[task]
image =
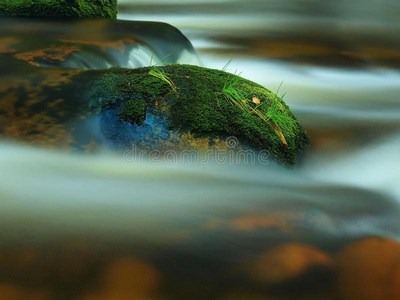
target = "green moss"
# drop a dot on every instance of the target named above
(133, 111)
(200, 106)
(116, 85)
(59, 8)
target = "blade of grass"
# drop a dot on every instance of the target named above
(227, 65)
(159, 73)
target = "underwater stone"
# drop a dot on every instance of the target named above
(59, 8)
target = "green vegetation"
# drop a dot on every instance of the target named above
(276, 115)
(206, 102)
(134, 111)
(59, 8)
(116, 85)
(160, 73)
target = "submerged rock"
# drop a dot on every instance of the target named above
(59, 8)
(289, 261)
(369, 269)
(162, 106)
(128, 278)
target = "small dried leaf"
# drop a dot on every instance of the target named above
(256, 100)
(187, 77)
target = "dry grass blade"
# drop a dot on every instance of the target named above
(275, 127)
(157, 72)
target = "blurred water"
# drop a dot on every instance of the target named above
(202, 228)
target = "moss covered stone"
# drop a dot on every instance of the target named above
(204, 102)
(59, 8)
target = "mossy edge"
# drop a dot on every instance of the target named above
(59, 8)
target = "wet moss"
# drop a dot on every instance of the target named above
(59, 8)
(200, 107)
(133, 111)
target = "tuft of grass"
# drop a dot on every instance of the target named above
(233, 94)
(156, 71)
(159, 73)
(275, 116)
(227, 65)
(277, 113)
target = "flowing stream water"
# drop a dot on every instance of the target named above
(84, 224)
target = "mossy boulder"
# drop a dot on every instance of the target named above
(59, 8)
(202, 102)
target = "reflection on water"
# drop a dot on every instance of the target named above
(95, 226)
